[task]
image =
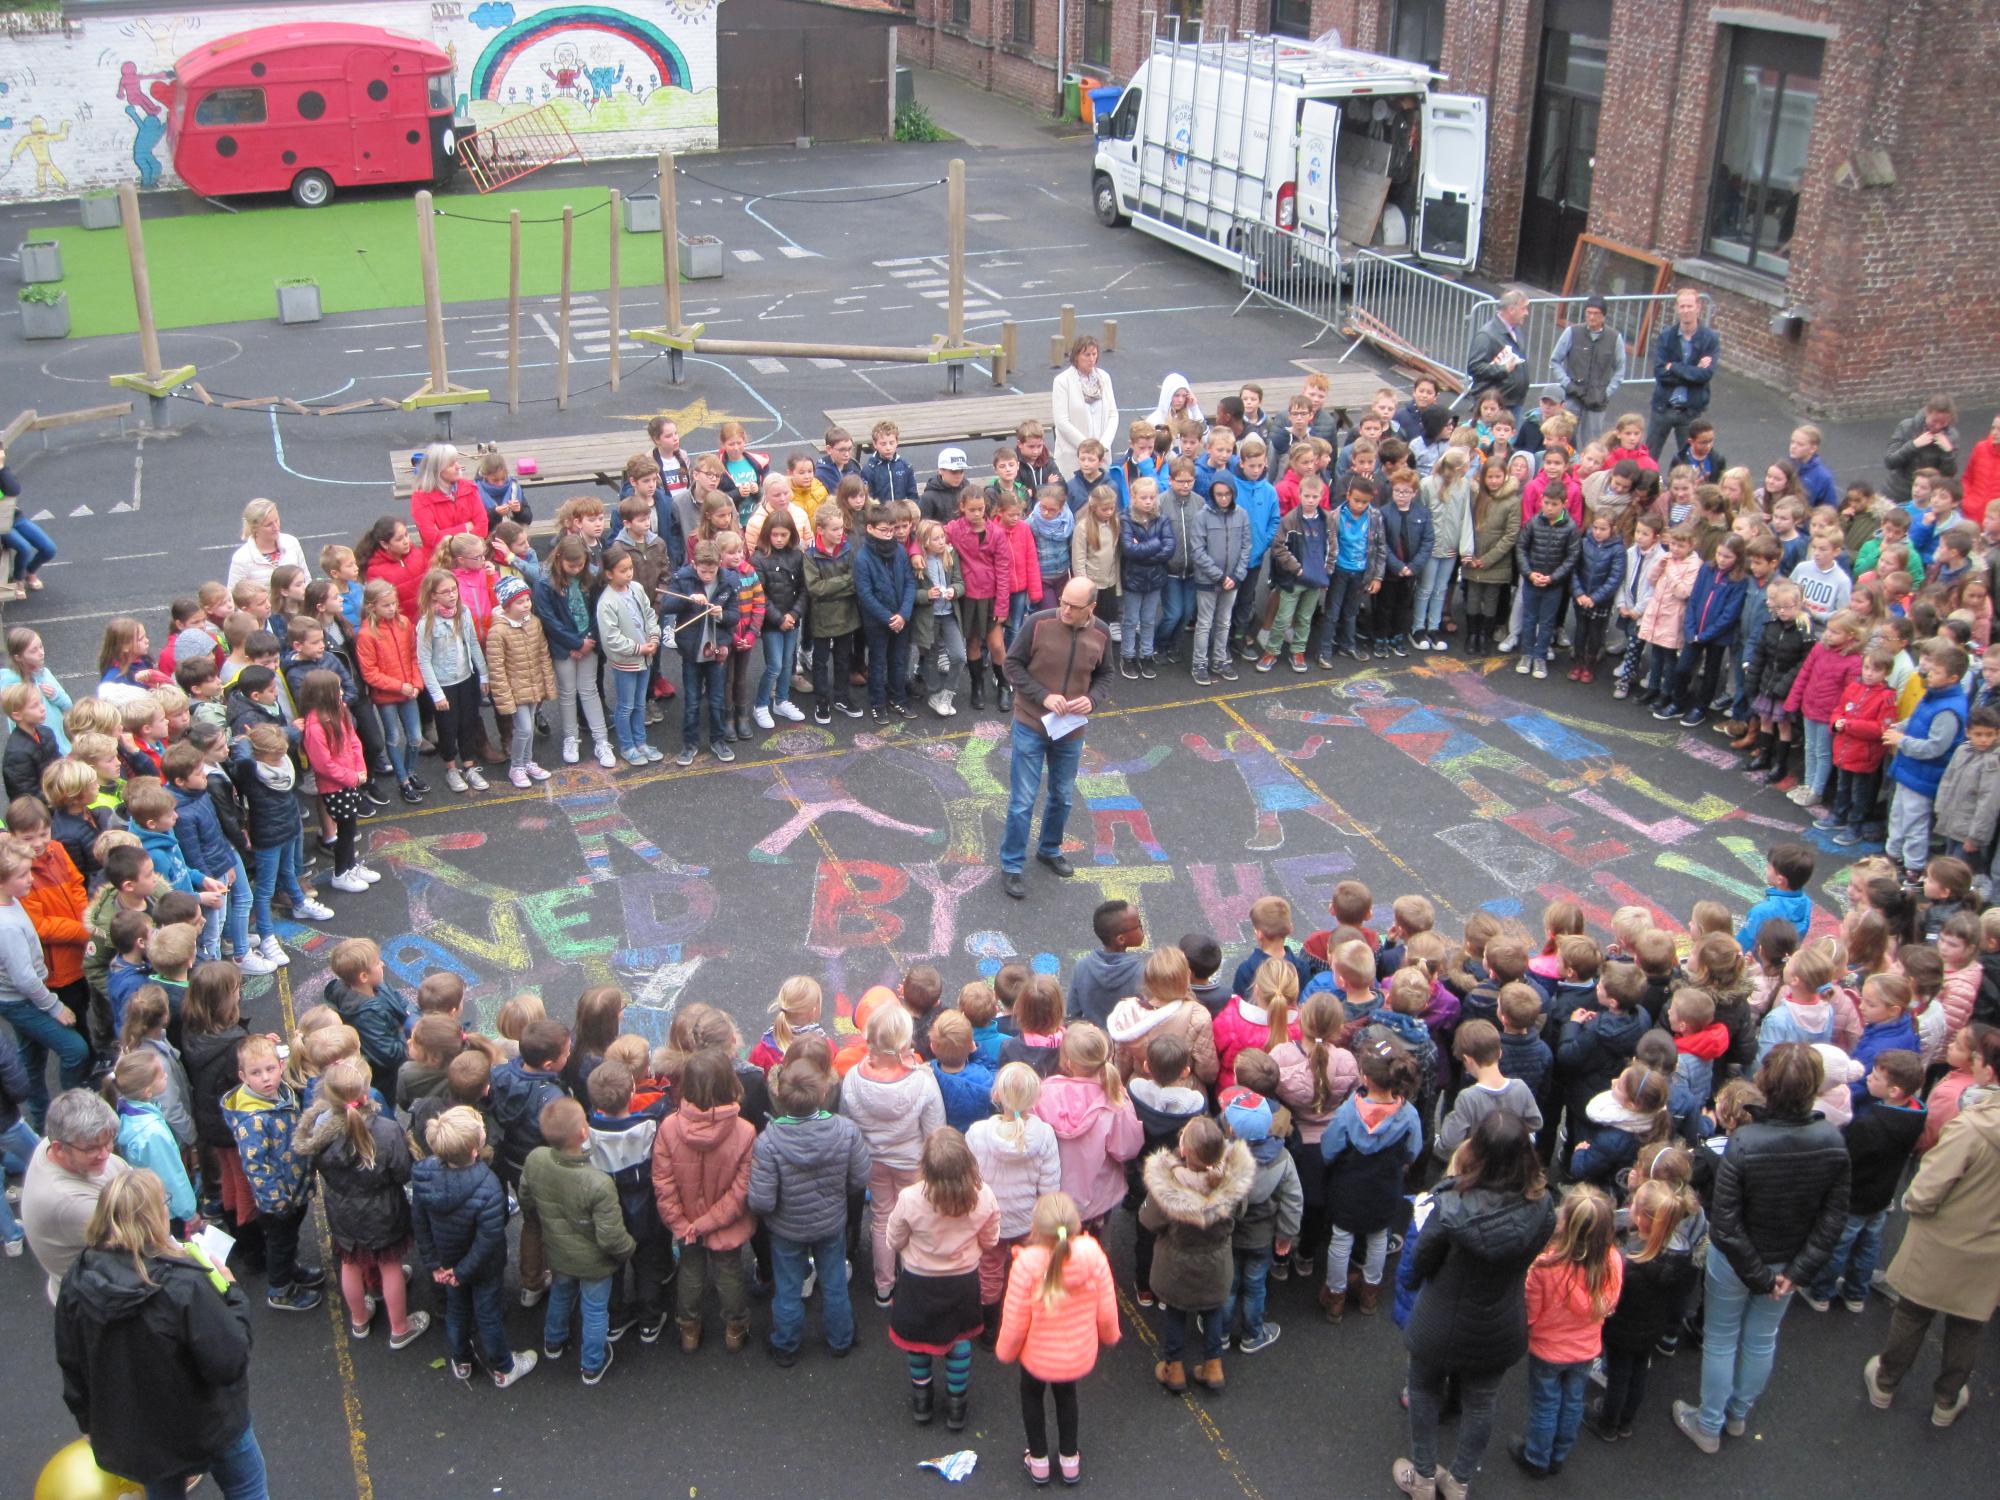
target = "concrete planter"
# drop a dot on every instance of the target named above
(642, 213)
(98, 210)
(41, 260)
(298, 302)
(701, 257)
(45, 320)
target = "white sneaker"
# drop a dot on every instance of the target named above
(789, 710)
(653, 753)
(15, 1246)
(254, 962)
(1523, 667)
(519, 776)
(635, 758)
(351, 883)
(272, 949)
(312, 911)
(1541, 668)
(475, 778)
(606, 756)
(536, 773)
(455, 779)
(761, 717)
(524, 1361)
(1509, 644)
(371, 876)
(569, 749)
(950, 704)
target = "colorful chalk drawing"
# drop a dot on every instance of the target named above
(853, 857)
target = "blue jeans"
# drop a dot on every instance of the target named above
(1031, 749)
(521, 744)
(478, 1304)
(1433, 594)
(1555, 1408)
(1819, 765)
(1739, 1343)
(790, 1260)
(1173, 1336)
(38, 1034)
(277, 868)
(30, 545)
(231, 919)
(1246, 1289)
(17, 1144)
(564, 1292)
(1862, 1239)
(1344, 599)
(628, 714)
(781, 659)
(1538, 620)
(1139, 621)
(888, 664)
(238, 1473)
(701, 689)
(1176, 609)
(401, 729)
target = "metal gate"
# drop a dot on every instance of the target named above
(1283, 271)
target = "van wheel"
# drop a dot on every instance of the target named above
(1104, 198)
(312, 189)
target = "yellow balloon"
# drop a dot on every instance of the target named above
(73, 1475)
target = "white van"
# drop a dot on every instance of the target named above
(1344, 149)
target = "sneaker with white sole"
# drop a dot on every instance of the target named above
(524, 1361)
(1523, 667)
(254, 961)
(415, 1329)
(312, 911)
(635, 758)
(1264, 1338)
(652, 753)
(570, 748)
(519, 776)
(353, 884)
(1878, 1396)
(455, 779)
(475, 778)
(536, 773)
(789, 710)
(761, 717)
(1943, 1415)
(591, 1377)
(606, 756)
(272, 949)
(1541, 668)
(15, 1246)
(371, 876)
(530, 1295)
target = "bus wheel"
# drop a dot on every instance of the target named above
(312, 189)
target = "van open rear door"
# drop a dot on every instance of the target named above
(1319, 135)
(1453, 151)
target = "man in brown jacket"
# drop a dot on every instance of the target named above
(1059, 662)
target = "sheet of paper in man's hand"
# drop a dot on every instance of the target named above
(1059, 725)
(215, 1244)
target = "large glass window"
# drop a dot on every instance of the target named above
(1416, 31)
(1023, 33)
(1097, 33)
(1769, 92)
(961, 12)
(1292, 18)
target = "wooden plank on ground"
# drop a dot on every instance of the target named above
(108, 413)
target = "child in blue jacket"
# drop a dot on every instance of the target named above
(1369, 1144)
(1407, 532)
(1712, 612)
(1593, 589)
(885, 587)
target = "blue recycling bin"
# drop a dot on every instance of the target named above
(1104, 100)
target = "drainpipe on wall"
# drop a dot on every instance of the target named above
(1062, 37)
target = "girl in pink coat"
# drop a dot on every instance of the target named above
(1663, 624)
(1061, 1308)
(1097, 1129)
(1266, 1017)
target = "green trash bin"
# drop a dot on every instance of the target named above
(1072, 99)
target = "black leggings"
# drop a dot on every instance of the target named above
(1624, 1387)
(1034, 1416)
(458, 721)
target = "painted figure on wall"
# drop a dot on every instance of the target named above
(49, 177)
(149, 122)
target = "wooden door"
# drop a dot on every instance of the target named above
(763, 73)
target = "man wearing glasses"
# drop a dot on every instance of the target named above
(1059, 662)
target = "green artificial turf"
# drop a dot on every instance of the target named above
(222, 268)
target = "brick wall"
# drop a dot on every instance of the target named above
(1490, 47)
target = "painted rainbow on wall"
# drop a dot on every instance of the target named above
(491, 69)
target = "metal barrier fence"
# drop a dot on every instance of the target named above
(1283, 271)
(1402, 308)
(1638, 319)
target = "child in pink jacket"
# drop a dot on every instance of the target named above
(1572, 1288)
(701, 1181)
(333, 750)
(1097, 1129)
(1831, 668)
(1663, 624)
(1061, 1308)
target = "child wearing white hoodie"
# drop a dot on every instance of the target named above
(894, 1100)
(1017, 1156)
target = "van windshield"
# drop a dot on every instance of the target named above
(440, 90)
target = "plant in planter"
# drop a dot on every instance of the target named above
(44, 311)
(298, 300)
(99, 209)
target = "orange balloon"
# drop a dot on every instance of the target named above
(872, 999)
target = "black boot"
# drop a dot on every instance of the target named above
(921, 1397)
(1781, 763)
(1004, 694)
(954, 1410)
(743, 724)
(1760, 756)
(976, 671)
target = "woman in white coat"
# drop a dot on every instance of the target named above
(1084, 405)
(265, 547)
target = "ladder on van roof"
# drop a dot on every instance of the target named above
(1167, 177)
(509, 149)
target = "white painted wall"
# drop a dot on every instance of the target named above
(69, 121)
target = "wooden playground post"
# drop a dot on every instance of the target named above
(562, 331)
(670, 265)
(514, 312)
(437, 394)
(613, 297)
(954, 322)
(1068, 328)
(153, 380)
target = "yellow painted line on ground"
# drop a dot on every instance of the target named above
(1189, 1400)
(343, 1358)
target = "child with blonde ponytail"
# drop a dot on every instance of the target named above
(1572, 1288)
(1061, 1308)
(363, 1161)
(1017, 1156)
(795, 1013)
(1097, 1129)
(1267, 1017)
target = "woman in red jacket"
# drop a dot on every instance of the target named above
(446, 503)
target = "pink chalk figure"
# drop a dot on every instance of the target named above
(1106, 789)
(1273, 789)
(816, 791)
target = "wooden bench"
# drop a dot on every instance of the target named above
(573, 459)
(960, 420)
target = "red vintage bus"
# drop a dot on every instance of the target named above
(308, 107)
